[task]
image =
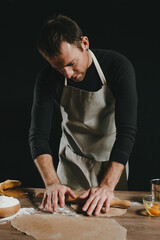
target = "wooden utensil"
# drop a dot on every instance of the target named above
(9, 184)
(120, 203)
(10, 188)
(9, 211)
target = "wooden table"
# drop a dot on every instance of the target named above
(139, 226)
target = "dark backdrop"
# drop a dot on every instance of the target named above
(126, 26)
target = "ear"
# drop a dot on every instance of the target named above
(85, 43)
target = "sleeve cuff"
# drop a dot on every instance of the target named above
(43, 150)
(119, 156)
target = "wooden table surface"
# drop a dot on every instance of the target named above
(139, 226)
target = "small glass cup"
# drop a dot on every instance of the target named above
(155, 187)
(152, 205)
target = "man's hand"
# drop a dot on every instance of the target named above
(97, 198)
(55, 194)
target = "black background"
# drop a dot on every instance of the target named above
(128, 27)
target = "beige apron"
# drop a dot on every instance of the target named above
(88, 134)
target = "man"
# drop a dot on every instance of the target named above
(97, 96)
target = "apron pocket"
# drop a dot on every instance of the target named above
(76, 171)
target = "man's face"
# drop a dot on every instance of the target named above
(72, 62)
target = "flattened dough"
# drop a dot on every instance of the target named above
(47, 227)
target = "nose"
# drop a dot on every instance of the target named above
(68, 71)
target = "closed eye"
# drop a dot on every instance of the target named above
(68, 65)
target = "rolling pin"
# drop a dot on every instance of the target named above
(114, 202)
(120, 203)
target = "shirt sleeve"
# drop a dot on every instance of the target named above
(42, 114)
(123, 87)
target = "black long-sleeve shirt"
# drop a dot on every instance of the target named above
(120, 77)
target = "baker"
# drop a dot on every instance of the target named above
(96, 92)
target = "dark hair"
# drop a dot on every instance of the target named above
(54, 31)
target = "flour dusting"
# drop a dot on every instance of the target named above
(21, 211)
(65, 211)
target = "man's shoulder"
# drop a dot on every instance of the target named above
(46, 71)
(48, 80)
(112, 60)
(112, 55)
(49, 75)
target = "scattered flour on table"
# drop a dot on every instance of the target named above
(20, 212)
(65, 211)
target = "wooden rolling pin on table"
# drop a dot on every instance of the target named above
(77, 200)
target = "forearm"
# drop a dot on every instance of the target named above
(45, 166)
(112, 175)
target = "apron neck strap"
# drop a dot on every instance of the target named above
(99, 70)
(65, 81)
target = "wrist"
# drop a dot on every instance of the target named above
(45, 166)
(51, 183)
(109, 186)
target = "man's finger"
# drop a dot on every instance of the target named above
(44, 201)
(55, 202)
(49, 202)
(71, 193)
(92, 206)
(88, 202)
(85, 195)
(107, 203)
(99, 207)
(61, 199)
